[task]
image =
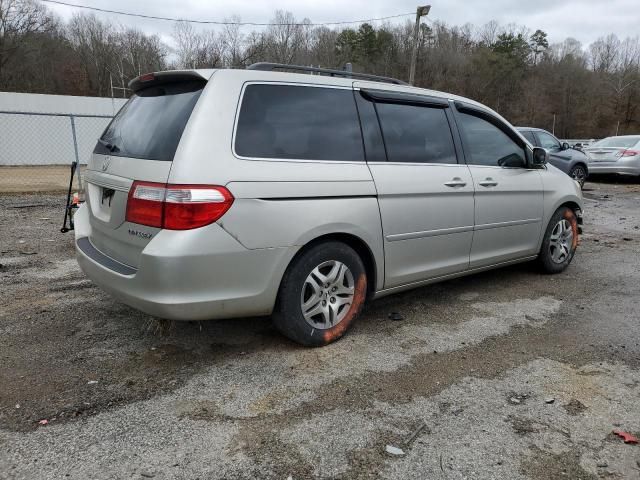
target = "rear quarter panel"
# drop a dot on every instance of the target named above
(278, 203)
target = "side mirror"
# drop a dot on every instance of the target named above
(565, 146)
(539, 157)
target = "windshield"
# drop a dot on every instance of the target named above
(616, 142)
(151, 123)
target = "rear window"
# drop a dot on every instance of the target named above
(300, 123)
(615, 142)
(151, 123)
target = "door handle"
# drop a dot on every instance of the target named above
(456, 182)
(488, 182)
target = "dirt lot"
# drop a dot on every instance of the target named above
(42, 178)
(513, 374)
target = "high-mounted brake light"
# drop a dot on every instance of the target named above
(628, 153)
(176, 207)
(147, 77)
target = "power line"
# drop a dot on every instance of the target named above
(216, 22)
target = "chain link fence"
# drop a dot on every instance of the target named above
(37, 149)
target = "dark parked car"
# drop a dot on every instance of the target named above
(571, 161)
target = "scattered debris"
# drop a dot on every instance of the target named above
(549, 400)
(31, 205)
(421, 426)
(92, 382)
(390, 449)
(514, 398)
(44, 421)
(17, 405)
(575, 407)
(395, 316)
(627, 437)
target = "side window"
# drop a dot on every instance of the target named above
(417, 134)
(298, 122)
(371, 135)
(547, 141)
(486, 144)
(528, 134)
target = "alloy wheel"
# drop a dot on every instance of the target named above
(561, 241)
(327, 294)
(579, 175)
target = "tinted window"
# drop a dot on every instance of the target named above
(547, 141)
(373, 143)
(151, 123)
(486, 144)
(291, 122)
(416, 134)
(528, 134)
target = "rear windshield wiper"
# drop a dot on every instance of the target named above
(109, 146)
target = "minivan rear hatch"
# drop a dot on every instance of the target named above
(138, 145)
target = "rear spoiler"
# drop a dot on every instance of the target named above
(160, 78)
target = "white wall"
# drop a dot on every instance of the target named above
(48, 139)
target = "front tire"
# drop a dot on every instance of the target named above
(579, 174)
(322, 293)
(560, 241)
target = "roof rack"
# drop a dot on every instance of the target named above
(269, 67)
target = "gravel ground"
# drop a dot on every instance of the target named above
(505, 374)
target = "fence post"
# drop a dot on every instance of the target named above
(75, 150)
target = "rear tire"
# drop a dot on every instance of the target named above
(579, 174)
(322, 293)
(560, 241)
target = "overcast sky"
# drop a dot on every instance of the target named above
(585, 20)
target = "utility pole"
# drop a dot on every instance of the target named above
(420, 12)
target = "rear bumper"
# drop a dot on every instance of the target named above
(189, 275)
(622, 167)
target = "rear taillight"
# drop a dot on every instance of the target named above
(145, 204)
(176, 207)
(628, 153)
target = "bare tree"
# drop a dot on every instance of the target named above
(590, 91)
(18, 20)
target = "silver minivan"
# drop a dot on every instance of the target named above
(272, 191)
